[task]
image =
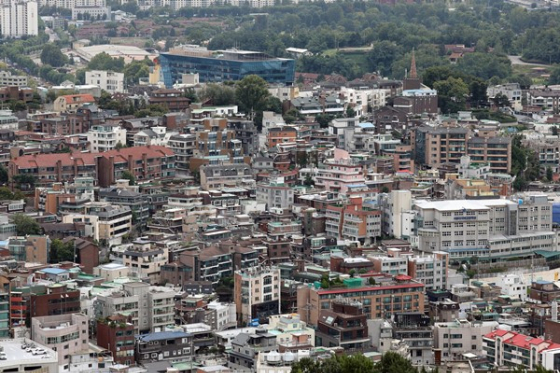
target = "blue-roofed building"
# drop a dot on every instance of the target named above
(220, 66)
(164, 345)
(54, 274)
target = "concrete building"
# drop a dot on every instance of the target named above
(111, 271)
(104, 221)
(245, 348)
(109, 81)
(413, 329)
(495, 151)
(513, 285)
(10, 80)
(19, 18)
(105, 137)
(344, 325)
(116, 334)
(18, 360)
(493, 229)
(256, 293)
(507, 348)
(379, 300)
(431, 270)
(511, 90)
(339, 174)
(95, 13)
(457, 337)
(164, 346)
(66, 334)
(183, 146)
(434, 147)
(355, 221)
(145, 260)
(226, 175)
(276, 194)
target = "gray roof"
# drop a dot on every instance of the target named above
(162, 336)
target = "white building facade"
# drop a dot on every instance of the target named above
(19, 18)
(109, 81)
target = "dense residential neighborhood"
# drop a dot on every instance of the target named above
(201, 187)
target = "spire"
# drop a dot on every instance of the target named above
(413, 73)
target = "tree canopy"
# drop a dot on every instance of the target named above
(390, 362)
(51, 55)
(25, 225)
(251, 94)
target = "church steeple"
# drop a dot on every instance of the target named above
(411, 81)
(413, 72)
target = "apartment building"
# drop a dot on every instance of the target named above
(149, 308)
(457, 337)
(385, 298)
(393, 266)
(66, 334)
(431, 270)
(139, 203)
(69, 4)
(31, 248)
(414, 330)
(225, 175)
(40, 300)
(10, 80)
(116, 334)
(183, 146)
(434, 147)
(209, 263)
(354, 221)
(345, 325)
(513, 285)
(245, 348)
(546, 98)
(511, 90)
(507, 348)
(145, 163)
(497, 228)
(275, 194)
(279, 135)
(19, 18)
(338, 174)
(256, 293)
(495, 151)
(146, 260)
(247, 133)
(164, 345)
(105, 137)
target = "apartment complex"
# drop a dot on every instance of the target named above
(256, 293)
(491, 229)
(19, 18)
(275, 194)
(105, 137)
(378, 301)
(338, 174)
(146, 260)
(437, 146)
(431, 270)
(144, 162)
(495, 151)
(354, 221)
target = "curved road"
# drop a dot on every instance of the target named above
(516, 60)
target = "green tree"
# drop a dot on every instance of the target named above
(251, 94)
(25, 224)
(51, 55)
(549, 174)
(103, 61)
(452, 94)
(129, 176)
(61, 251)
(24, 182)
(3, 174)
(501, 100)
(217, 94)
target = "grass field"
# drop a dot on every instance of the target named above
(137, 42)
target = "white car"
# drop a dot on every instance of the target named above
(39, 351)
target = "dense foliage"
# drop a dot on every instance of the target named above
(390, 363)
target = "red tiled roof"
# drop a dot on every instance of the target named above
(80, 98)
(67, 159)
(521, 340)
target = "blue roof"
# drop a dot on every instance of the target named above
(543, 282)
(357, 185)
(54, 271)
(366, 125)
(162, 336)
(4, 243)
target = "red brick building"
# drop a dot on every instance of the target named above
(116, 334)
(144, 162)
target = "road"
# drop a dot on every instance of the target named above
(516, 60)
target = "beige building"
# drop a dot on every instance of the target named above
(69, 103)
(256, 293)
(111, 271)
(146, 261)
(67, 334)
(458, 337)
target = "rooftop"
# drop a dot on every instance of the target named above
(16, 356)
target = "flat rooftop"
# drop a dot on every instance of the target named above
(16, 356)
